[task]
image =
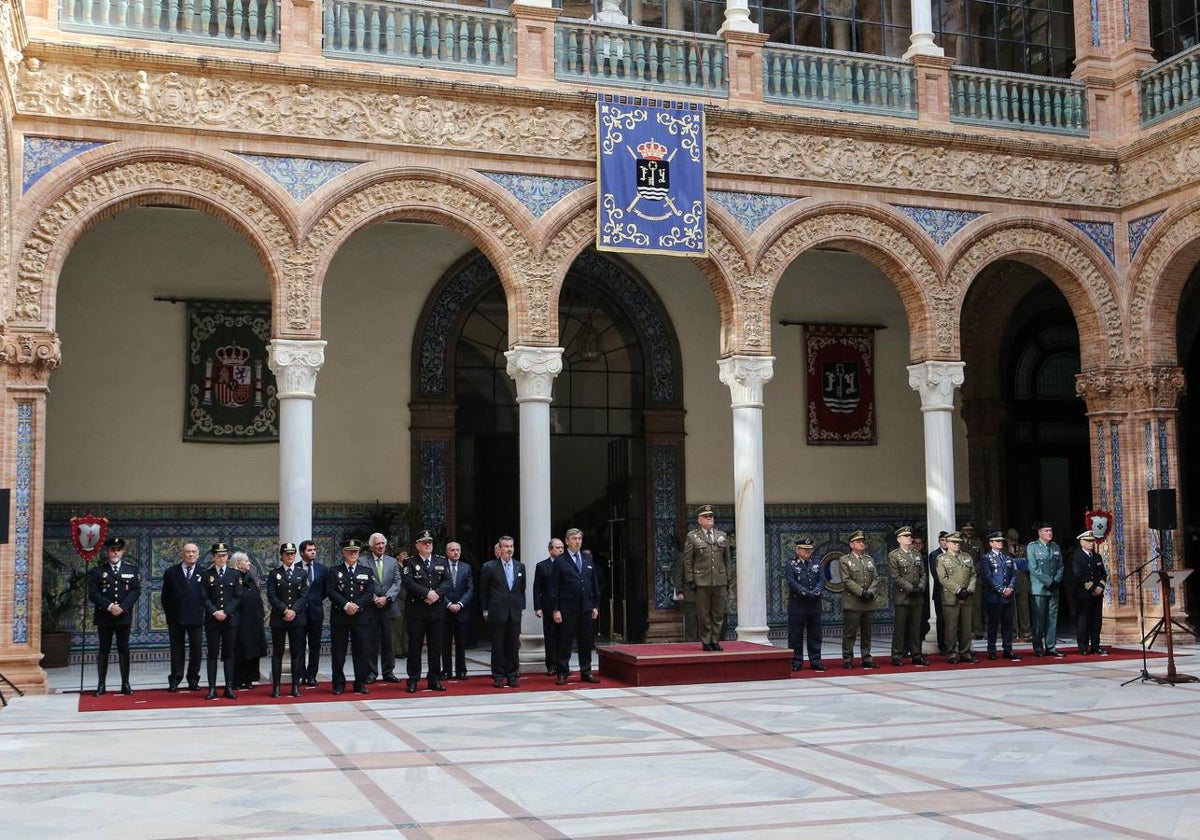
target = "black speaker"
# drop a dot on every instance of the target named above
(5, 496)
(1161, 504)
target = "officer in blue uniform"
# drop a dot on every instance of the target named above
(350, 587)
(287, 592)
(1091, 576)
(425, 579)
(999, 572)
(222, 586)
(805, 587)
(113, 588)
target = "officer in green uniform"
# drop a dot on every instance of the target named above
(906, 568)
(1045, 577)
(860, 590)
(956, 572)
(706, 574)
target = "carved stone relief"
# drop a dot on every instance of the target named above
(30, 356)
(1144, 282)
(1131, 389)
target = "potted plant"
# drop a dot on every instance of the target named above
(64, 584)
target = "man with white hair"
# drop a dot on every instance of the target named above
(384, 612)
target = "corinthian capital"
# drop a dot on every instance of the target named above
(1131, 389)
(30, 356)
(935, 382)
(534, 370)
(746, 376)
(295, 365)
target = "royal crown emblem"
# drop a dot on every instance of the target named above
(231, 379)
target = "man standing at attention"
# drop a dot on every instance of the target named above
(426, 581)
(575, 601)
(906, 568)
(287, 593)
(542, 573)
(183, 607)
(316, 573)
(860, 589)
(460, 599)
(222, 586)
(706, 574)
(998, 572)
(113, 588)
(385, 610)
(805, 587)
(502, 598)
(1091, 575)
(351, 591)
(956, 571)
(1045, 577)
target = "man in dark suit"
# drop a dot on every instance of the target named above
(113, 588)
(221, 587)
(426, 582)
(315, 622)
(287, 593)
(385, 610)
(459, 600)
(542, 573)
(943, 547)
(502, 598)
(351, 591)
(183, 606)
(575, 601)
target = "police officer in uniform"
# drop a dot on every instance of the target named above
(350, 587)
(426, 581)
(706, 574)
(1091, 575)
(222, 586)
(906, 568)
(287, 593)
(1045, 578)
(113, 588)
(860, 590)
(999, 574)
(805, 586)
(956, 572)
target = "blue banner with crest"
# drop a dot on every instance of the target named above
(650, 157)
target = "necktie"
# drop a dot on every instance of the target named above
(187, 574)
(508, 574)
(578, 564)
(379, 567)
(708, 536)
(454, 574)
(311, 574)
(221, 573)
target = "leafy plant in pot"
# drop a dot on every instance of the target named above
(64, 585)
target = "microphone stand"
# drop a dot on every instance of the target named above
(1144, 676)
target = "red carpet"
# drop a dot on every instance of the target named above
(482, 685)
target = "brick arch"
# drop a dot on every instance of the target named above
(1070, 260)
(471, 206)
(878, 234)
(100, 185)
(1157, 277)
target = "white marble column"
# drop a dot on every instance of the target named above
(534, 370)
(936, 383)
(610, 13)
(295, 364)
(746, 376)
(545, 4)
(737, 19)
(922, 31)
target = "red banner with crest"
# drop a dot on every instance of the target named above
(840, 362)
(87, 534)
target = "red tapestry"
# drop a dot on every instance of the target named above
(841, 384)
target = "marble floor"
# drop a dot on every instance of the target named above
(1046, 751)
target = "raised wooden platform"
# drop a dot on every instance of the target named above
(685, 662)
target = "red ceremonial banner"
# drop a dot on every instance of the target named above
(841, 384)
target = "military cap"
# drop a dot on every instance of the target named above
(425, 536)
(857, 535)
(995, 535)
(904, 529)
(219, 548)
(954, 536)
(705, 510)
(966, 525)
(1086, 535)
(114, 542)
(804, 542)
(287, 548)
(352, 544)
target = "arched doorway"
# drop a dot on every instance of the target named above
(1188, 344)
(616, 426)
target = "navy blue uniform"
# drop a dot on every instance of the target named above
(350, 584)
(222, 590)
(805, 585)
(999, 573)
(287, 589)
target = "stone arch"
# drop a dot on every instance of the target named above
(1157, 277)
(883, 237)
(102, 186)
(1065, 256)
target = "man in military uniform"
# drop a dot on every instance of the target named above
(1091, 575)
(956, 572)
(542, 573)
(805, 585)
(860, 590)
(287, 593)
(906, 568)
(113, 588)
(999, 576)
(350, 588)
(1045, 578)
(706, 574)
(222, 586)
(183, 607)
(426, 581)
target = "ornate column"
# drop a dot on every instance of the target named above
(936, 383)
(746, 376)
(295, 364)
(534, 370)
(26, 361)
(922, 31)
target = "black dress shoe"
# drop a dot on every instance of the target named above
(705, 646)
(1102, 651)
(1055, 654)
(795, 666)
(896, 660)
(359, 688)
(126, 688)
(550, 671)
(436, 685)
(559, 680)
(919, 660)
(847, 664)
(514, 682)
(193, 686)
(870, 663)
(817, 666)
(100, 691)
(212, 694)
(230, 694)
(390, 678)
(717, 646)
(991, 656)
(370, 679)
(589, 677)
(411, 686)
(172, 688)
(460, 676)
(296, 690)
(339, 689)
(275, 692)
(952, 660)
(970, 657)
(498, 682)
(1012, 657)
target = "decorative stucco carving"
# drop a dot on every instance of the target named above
(534, 370)
(299, 281)
(1131, 389)
(30, 356)
(735, 148)
(1160, 169)
(295, 365)
(236, 199)
(11, 44)
(1145, 282)
(1010, 243)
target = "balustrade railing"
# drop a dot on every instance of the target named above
(844, 81)
(247, 24)
(465, 38)
(634, 56)
(1170, 87)
(1014, 100)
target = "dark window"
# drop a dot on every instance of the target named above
(1018, 36)
(1173, 26)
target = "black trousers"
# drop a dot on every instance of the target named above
(1090, 609)
(550, 635)
(424, 631)
(381, 655)
(802, 628)
(358, 638)
(106, 634)
(506, 646)
(192, 635)
(454, 647)
(576, 627)
(293, 636)
(1000, 616)
(312, 647)
(220, 637)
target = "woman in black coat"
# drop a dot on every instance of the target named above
(251, 643)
